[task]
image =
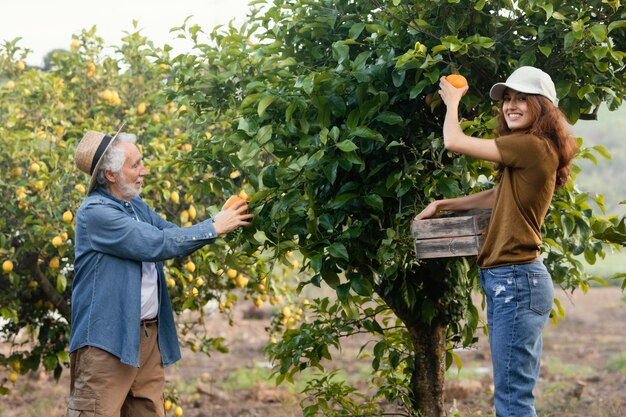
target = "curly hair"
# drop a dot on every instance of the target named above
(549, 123)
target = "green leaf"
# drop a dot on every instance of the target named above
(599, 281)
(568, 224)
(330, 171)
(355, 30)
(374, 200)
(599, 32)
(347, 146)
(618, 24)
(571, 108)
(548, 8)
(331, 278)
(264, 104)
(50, 362)
(560, 310)
(289, 62)
(366, 132)
(343, 294)
(603, 151)
(390, 118)
(264, 134)
(458, 361)
(61, 283)
(9, 314)
(448, 187)
(545, 50)
(244, 125)
(584, 90)
(438, 48)
(338, 250)
(361, 285)
(341, 52)
(63, 356)
(248, 100)
(452, 43)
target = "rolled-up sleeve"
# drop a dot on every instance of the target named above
(112, 231)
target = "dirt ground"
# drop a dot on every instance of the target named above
(583, 371)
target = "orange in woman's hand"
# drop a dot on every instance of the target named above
(458, 81)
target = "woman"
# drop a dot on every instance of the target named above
(533, 151)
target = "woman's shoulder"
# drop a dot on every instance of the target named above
(520, 136)
(527, 141)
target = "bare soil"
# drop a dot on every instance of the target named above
(583, 370)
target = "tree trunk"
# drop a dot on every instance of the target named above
(427, 382)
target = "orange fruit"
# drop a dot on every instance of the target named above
(458, 81)
(232, 200)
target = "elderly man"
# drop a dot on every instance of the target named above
(123, 331)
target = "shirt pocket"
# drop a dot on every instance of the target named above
(541, 292)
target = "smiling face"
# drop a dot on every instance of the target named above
(128, 183)
(515, 109)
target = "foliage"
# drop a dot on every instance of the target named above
(331, 111)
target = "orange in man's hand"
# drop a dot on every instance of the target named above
(458, 81)
(235, 198)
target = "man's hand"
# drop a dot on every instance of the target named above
(232, 217)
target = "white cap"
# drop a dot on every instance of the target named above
(529, 80)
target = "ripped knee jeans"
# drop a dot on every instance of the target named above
(519, 300)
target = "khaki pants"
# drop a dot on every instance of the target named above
(102, 386)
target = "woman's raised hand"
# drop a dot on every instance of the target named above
(450, 94)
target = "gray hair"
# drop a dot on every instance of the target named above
(114, 157)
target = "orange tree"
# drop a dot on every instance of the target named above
(330, 110)
(43, 114)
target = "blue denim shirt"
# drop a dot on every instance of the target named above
(113, 237)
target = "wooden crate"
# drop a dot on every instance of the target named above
(455, 234)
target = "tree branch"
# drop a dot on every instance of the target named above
(53, 295)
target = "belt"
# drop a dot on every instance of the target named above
(148, 323)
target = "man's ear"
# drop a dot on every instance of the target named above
(110, 176)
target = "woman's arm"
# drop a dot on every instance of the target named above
(453, 137)
(484, 199)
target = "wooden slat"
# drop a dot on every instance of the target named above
(457, 224)
(448, 247)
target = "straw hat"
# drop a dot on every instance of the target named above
(89, 152)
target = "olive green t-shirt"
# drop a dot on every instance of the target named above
(522, 201)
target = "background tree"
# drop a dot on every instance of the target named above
(330, 111)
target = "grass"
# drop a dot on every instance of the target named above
(467, 372)
(617, 363)
(555, 366)
(246, 378)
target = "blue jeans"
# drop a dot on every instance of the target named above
(519, 300)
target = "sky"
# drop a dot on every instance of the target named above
(45, 25)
